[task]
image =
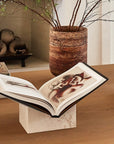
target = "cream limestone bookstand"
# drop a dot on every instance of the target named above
(36, 121)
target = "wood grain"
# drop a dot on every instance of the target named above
(95, 116)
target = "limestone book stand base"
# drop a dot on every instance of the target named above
(35, 121)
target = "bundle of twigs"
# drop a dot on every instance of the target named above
(89, 14)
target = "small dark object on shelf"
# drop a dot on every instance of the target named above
(17, 46)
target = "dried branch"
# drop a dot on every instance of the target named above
(48, 15)
(76, 12)
(32, 10)
(73, 13)
(100, 18)
(85, 10)
(94, 13)
(56, 13)
(89, 13)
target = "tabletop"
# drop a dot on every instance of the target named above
(95, 115)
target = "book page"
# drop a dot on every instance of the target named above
(66, 86)
(19, 86)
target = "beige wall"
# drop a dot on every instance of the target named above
(95, 44)
(34, 33)
(19, 22)
(40, 39)
(108, 35)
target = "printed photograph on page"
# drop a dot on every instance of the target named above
(67, 86)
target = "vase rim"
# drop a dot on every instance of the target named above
(74, 28)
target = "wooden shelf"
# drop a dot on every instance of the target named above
(21, 57)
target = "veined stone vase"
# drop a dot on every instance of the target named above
(67, 49)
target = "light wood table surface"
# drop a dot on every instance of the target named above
(95, 116)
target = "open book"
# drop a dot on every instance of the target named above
(56, 95)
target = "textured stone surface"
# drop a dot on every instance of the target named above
(35, 121)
